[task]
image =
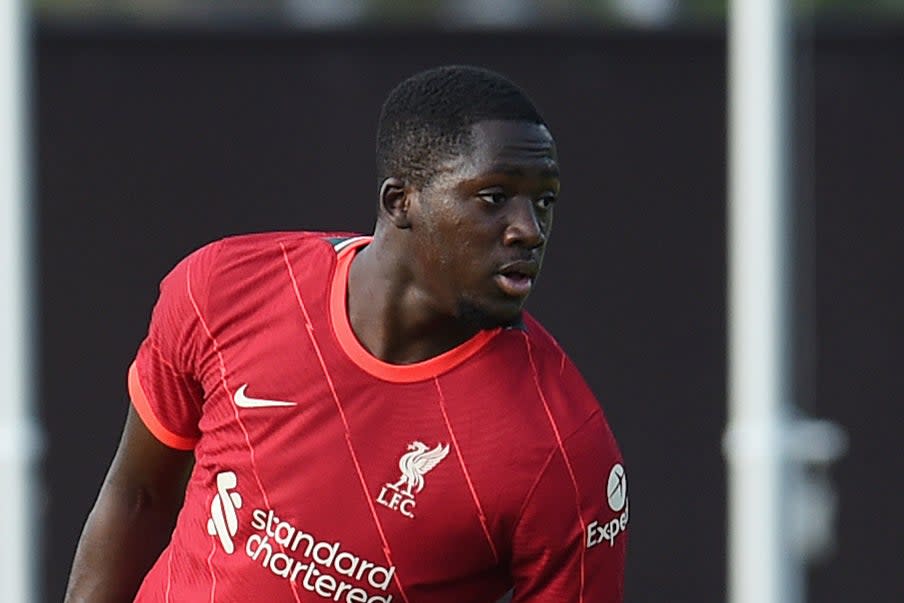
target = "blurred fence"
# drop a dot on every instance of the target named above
(151, 143)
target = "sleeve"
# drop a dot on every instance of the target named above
(569, 543)
(163, 380)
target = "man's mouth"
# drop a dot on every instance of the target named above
(517, 278)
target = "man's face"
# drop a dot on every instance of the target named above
(480, 226)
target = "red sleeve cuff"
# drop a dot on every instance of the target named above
(143, 408)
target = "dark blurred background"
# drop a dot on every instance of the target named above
(161, 125)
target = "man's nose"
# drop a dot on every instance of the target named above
(524, 228)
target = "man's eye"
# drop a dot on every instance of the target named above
(494, 197)
(546, 201)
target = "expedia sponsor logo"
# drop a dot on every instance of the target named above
(617, 497)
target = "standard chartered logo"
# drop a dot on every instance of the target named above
(224, 522)
(322, 567)
(617, 496)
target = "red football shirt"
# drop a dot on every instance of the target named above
(325, 474)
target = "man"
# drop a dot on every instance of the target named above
(371, 419)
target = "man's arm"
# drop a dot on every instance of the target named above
(132, 519)
(569, 543)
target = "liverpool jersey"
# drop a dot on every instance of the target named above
(325, 474)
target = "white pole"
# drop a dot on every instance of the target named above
(17, 441)
(762, 567)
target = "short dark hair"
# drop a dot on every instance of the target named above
(427, 118)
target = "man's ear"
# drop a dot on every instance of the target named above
(395, 201)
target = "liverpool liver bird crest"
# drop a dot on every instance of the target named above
(415, 464)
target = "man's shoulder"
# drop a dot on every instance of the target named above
(247, 247)
(252, 255)
(564, 387)
(543, 345)
(288, 238)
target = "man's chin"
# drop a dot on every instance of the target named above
(485, 318)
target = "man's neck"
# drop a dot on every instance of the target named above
(391, 315)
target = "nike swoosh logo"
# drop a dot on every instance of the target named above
(243, 401)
